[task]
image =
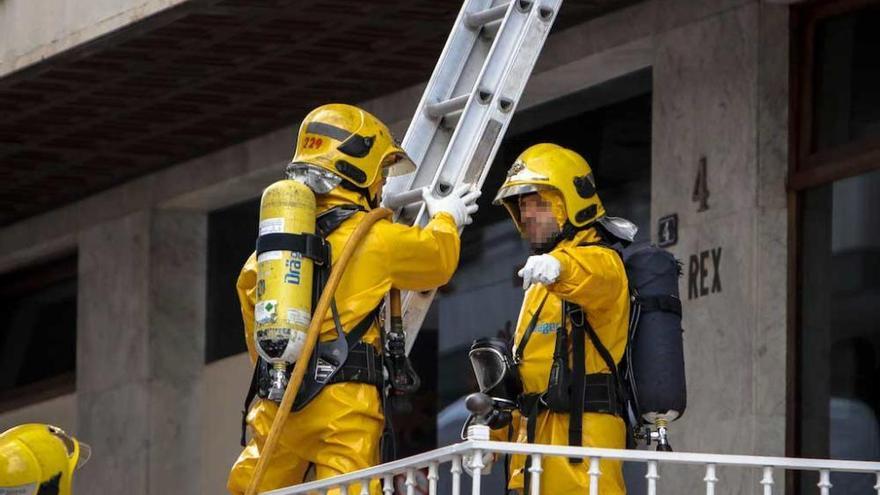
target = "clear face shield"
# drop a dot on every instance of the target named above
(496, 374)
(80, 450)
(499, 382)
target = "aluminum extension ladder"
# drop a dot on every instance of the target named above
(465, 111)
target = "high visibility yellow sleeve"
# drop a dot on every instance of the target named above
(246, 286)
(594, 278)
(422, 258)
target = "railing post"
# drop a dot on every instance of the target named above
(594, 473)
(388, 484)
(652, 476)
(410, 482)
(710, 479)
(767, 480)
(365, 487)
(433, 476)
(456, 475)
(824, 482)
(877, 486)
(476, 471)
(535, 470)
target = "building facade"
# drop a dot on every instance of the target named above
(136, 138)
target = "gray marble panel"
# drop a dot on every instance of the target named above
(675, 13)
(704, 106)
(772, 232)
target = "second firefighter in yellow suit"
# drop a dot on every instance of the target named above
(339, 430)
(550, 194)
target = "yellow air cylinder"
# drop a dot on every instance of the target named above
(284, 280)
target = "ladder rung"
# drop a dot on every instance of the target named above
(490, 29)
(450, 121)
(478, 19)
(442, 108)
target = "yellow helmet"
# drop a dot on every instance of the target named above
(39, 459)
(561, 176)
(350, 144)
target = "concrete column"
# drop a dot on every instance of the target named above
(178, 254)
(720, 98)
(140, 352)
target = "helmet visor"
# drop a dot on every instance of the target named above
(72, 445)
(489, 366)
(397, 163)
(516, 190)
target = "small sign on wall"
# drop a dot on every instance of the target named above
(667, 230)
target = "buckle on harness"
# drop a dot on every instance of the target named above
(324, 370)
(575, 314)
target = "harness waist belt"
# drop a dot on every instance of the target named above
(600, 396)
(364, 365)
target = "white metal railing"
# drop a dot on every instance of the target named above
(473, 449)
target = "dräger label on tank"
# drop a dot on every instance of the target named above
(298, 318)
(265, 311)
(271, 226)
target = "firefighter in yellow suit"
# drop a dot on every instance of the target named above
(339, 430)
(550, 194)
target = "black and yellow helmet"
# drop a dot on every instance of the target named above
(348, 143)
(562, 176)
(37, 459)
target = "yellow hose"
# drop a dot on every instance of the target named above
(299, 369)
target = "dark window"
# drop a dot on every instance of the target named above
(232, 233)
(839, 335)
(37, 332)
(846, 100)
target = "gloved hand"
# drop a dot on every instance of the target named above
(460, 203)
(543, 269)
(467, 462)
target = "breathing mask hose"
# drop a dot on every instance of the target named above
(299, 369)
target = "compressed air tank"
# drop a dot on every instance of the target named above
(283, 308)
(656, 346)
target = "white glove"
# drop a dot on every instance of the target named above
(460, 203)
(467, 462)
(543, 269)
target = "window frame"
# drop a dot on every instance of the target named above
(34, 276)
(813, 168)
(808, 169)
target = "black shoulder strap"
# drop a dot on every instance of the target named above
(529, 329)
(331, 219)
(358, 332)
(578, 315)
(578, 375)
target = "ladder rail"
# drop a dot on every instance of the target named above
(444, 78)
(463, 156)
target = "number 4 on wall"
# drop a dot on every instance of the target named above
(701, 189)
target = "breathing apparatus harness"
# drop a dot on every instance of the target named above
(346, 358)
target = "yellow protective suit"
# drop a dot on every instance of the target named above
(339, 430)
(594, 278)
